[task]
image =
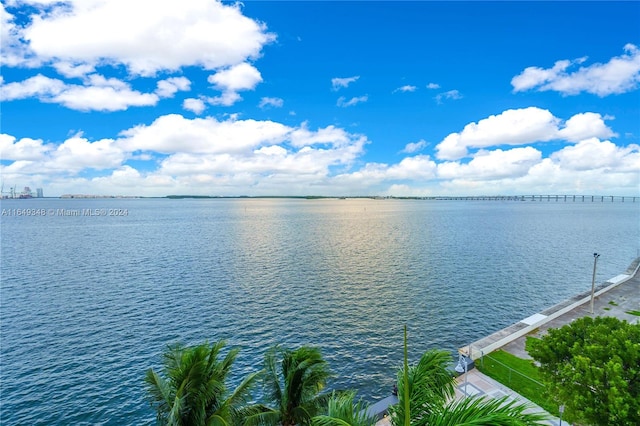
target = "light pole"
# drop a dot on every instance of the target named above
(593, 280)
(462, 367)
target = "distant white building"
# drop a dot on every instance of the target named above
(39, 193)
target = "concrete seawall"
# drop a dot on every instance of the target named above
(512, 338)
(509, 334)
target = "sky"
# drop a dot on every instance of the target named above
(330, 98)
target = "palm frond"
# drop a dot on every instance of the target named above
(293, 382)
(423, 388)
(262, 418)
(326, 420)
(486, 412)
(193, 387)
(423, 392)
(157, 387)
(343, 410)
(272, 386)
(174, 417)
(242, 392)
(216, 420)
(432, 373)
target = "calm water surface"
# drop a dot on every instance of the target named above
(87, 304)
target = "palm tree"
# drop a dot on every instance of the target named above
(481, 411)
(425, 394)
(193, 389)
(343, 411)
(294, 380)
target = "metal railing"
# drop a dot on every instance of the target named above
(509, 372)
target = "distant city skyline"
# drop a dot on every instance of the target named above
(320, 98)
(24, 192)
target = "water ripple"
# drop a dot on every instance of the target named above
(88, 304)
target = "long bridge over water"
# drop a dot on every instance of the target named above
(555, 198)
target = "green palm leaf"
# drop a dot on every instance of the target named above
(485, 412)
(430, 385)
(293, 382)
(193, 388)
(343, 410)
(426, 390)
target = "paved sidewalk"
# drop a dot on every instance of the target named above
(616, 302)
(477, 384)
(615, 297)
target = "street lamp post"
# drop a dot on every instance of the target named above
(593, 280)
(462, 367)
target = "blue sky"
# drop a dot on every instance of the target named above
(335, 98)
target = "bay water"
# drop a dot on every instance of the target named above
(93, 290)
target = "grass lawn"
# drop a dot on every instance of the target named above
(495, 365)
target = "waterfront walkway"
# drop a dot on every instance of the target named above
(616, 298)
(477, 384)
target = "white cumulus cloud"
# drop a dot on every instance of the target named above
(519, 127)
(24, 149)
(168, 36)
(175, 133)
(406, 88)
(302, 136)
(343, 102)
(419, 167)
(167, 88)
(591, 154)
(620, 75)
(200, 155)
(415, 146)
(82, 39)
(104, 98)
(415, 169)
(33, 157)
(194, 105)
(38, 85)
(98, 93)
(271, 102)
(13, 51)
(230, 81)
(585, 125)
(451, 94)
(243, 76)
(78, 153)
(489, 165)
(338, 83)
